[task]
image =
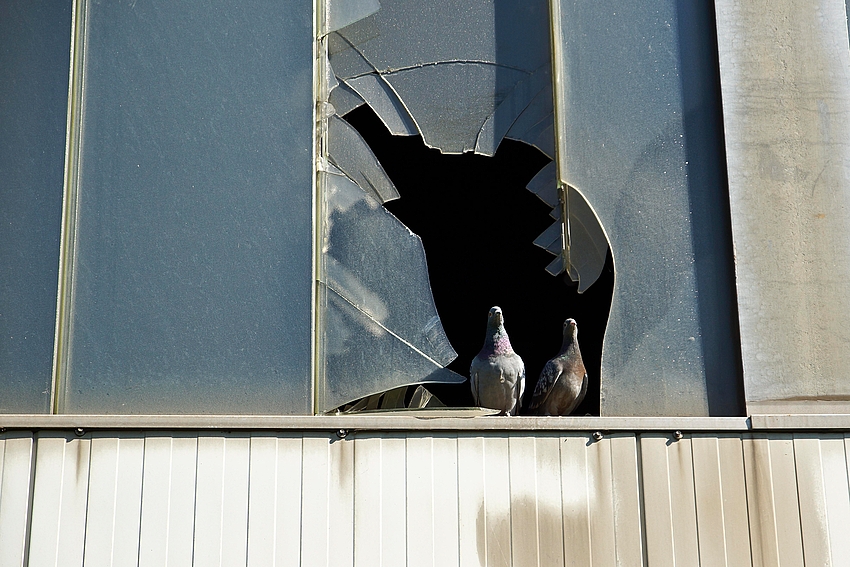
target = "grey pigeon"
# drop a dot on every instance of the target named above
(563, 381)
(497, 374)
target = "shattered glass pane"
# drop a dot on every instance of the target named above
(478, 71)
(349, 152)
(344, 99)
(630, 141)
(192, 275)
(341, 13)
(373, 88)
(380, 328)
(34, 58)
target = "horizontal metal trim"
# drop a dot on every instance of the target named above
(423, 421)
(802, 421)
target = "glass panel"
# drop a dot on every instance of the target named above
(640, 137)
(463, 71)
(35, 39)
(192, 274)
(380, 329)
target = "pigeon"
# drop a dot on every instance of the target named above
(563, 381)
(497, 373)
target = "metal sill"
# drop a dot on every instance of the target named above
(451, 420)
(443, 420)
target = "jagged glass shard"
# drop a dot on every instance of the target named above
(550, 239)
(344, 100)
(381, 98)
(626, 94)
(451, 121)
(34, 60)
(193, 285)
(588, 243)
(331, 81)
(341, 13)
(545, 140)
(347, 61)
(540, 109)
(363, 359)
(381, 329)
(348, 151)
(515, 103)
(556, 266)
(545, 184)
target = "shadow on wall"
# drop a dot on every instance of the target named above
(478, 224)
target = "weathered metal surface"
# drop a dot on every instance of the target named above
(415, 499)
(16, 453)
(785, 76)
(638, 136)
(433, 420)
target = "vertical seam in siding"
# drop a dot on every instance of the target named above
(747, 493)
(797, 491)
(195, 505)
(88, 484)
(28, 529)
(641, 503)
(114, 498)
(141, 501)
(696, 500)
(248, 500)
(670, 503)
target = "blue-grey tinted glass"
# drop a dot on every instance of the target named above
(380, 328)
(459, 73)
(192, 288)
(35, 41)
(639, 136)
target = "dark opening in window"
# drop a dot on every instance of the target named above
(478, 223)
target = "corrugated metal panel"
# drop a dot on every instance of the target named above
(417, 499)
(15, 476)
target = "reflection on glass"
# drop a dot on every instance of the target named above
(634, 85)
(380, 328)
(34, 60)
(459, 73)
(192, 274)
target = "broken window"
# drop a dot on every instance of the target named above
(215, 260)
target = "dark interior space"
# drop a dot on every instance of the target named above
(478, 223)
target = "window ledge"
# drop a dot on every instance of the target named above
(443, 420)
(423, 420)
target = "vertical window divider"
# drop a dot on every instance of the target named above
(320, 123)
(70, 201)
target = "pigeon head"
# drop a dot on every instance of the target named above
(570, 333)
(495, 318)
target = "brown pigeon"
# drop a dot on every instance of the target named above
(563, 381)
(497, 374)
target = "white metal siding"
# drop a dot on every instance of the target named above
(423, 499)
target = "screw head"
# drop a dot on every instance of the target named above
(597, 436)
(342, 433)
(677, 435)
(79, 431)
